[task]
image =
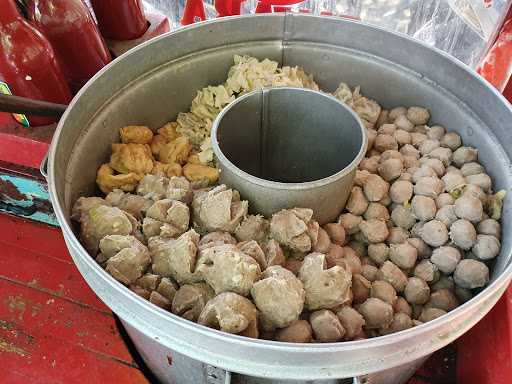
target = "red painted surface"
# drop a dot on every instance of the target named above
(28, 62)
(485, 352)
(53, 328)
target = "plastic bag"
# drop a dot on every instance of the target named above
(462, 28)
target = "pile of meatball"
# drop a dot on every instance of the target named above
(420, 228)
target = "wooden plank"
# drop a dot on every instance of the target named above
(36, 237)
(42, 316)
(38, 359)
(47, 274)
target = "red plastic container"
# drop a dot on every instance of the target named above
(120, 19)
(73, 33)
(28, 63)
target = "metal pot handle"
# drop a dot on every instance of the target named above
(43, 168)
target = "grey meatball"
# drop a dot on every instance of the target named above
(350, 222)
(376, 313)
(463, 234)
(423, 171)
(443, 154)
(387, 129)
(465, 155)
(471, 274)
(357, 203)
(369, 272)
(436, 132)
(444, 282)
(336, 233)
(401, 191)
(409, 150)
(428, 146)
(489, 227)
(378, 252)
(486, 247)
(397, 235)
(393, 275)
(443, 299)
(446, 258)
(402, 306)
(463, 294)
(418, 115)
(370, 164)
(429, 186)
(434, 233)
(391, 169)
(384, 142)
(417, 138)
(351, 320)
(374, 230)
(326, 326)
(481, 179)
(453, 180)
(417, 291)
(402, 122)
(469, 169)
(451, 140)
(375, 188)
(403, 255)
(423, 207)
(427, 271)
(381, 289)
(403, 217)
(436, 164)
(395, 112)
(469, 208)
(447, 215)
(444, 199)
(402, 137)
(424, 251)
(429, 314)
(376, 211)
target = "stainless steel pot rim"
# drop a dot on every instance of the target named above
(288, 186)
(73, 241)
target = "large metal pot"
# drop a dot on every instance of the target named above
(155, 81)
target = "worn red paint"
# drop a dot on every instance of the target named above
(58, 278)
(485, 351)
(53, 328)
